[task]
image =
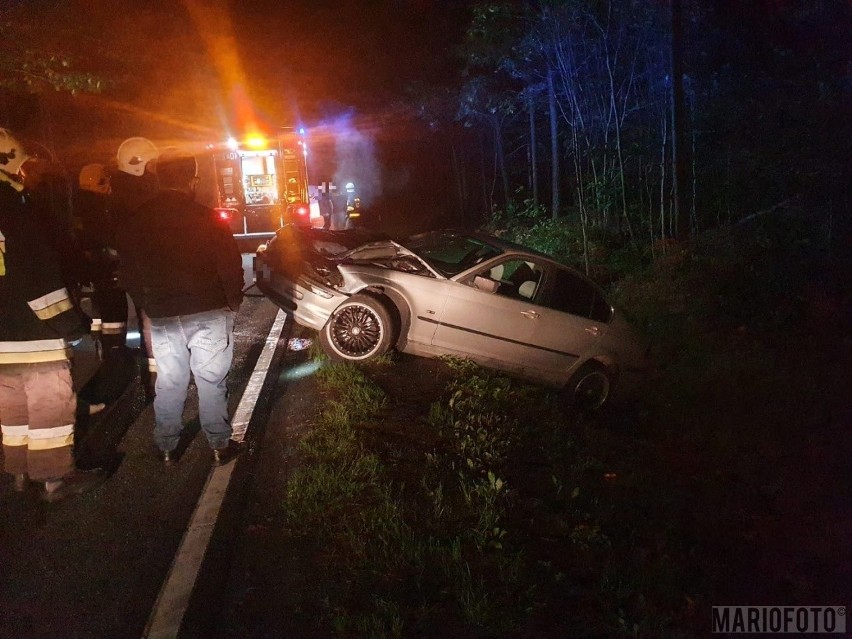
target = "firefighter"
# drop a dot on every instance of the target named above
(353, 207)
(50, 193)
(96, 239)
(134, 184)
(95, 236)
(38, 324)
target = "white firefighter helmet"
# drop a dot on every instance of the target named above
(12, 154)
(350, 187)
(134, 154)
(94, 178)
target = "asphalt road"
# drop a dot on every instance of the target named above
(93, 565)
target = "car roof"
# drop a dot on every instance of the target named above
(487, 238)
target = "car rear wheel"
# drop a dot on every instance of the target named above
(590, 387)
(359, 329)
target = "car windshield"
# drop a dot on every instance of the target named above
(450, 253)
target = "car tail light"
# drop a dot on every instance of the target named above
(225, 215)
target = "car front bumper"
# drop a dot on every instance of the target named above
(310, 303)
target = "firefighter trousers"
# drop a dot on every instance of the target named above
(109, 321)
(37, 412)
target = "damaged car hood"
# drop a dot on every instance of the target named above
(321, 255)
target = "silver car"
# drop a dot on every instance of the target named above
(452, 293)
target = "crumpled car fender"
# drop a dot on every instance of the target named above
(378, 281)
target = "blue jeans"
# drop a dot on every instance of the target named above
(202, 343)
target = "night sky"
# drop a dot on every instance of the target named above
(183, 61)
(193, 72)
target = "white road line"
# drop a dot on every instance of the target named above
(166, 617)
(244, 411)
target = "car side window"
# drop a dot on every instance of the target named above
(601, 309)
(515, 278)
(572, 294)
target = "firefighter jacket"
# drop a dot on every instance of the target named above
(37, 316)
(94, 232)
(93, 223)
(129, 192)
(176, 258)
(50, 196)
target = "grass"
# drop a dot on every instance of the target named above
(493, 512)
(420, 564)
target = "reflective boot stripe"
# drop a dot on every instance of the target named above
(15, 435)
(47, 438)
(114, 328)
(152, 365)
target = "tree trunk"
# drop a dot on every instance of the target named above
(619, 154)
(693, 210)
(664, 125)
(457, 171)
(581, 199)
(554, 146)
(500, 157)
(485, 204)
(679, 142)
(533, 151)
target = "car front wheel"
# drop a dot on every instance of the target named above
(590, 387)
(359, 329)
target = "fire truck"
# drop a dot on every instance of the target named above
(262, 182)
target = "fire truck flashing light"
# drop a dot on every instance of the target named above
(256, 142)
(262, 182)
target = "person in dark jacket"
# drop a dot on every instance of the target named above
(133, 184)
(38, 324)
(326, 208)
(184, 268)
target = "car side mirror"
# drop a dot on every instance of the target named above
(485, 284)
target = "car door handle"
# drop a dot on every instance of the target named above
(530, 314)
(594, 330)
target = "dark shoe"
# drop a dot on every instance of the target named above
(76, 483)
(22, 482)
(222, 456)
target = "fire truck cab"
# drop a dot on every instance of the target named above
(262, 183)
